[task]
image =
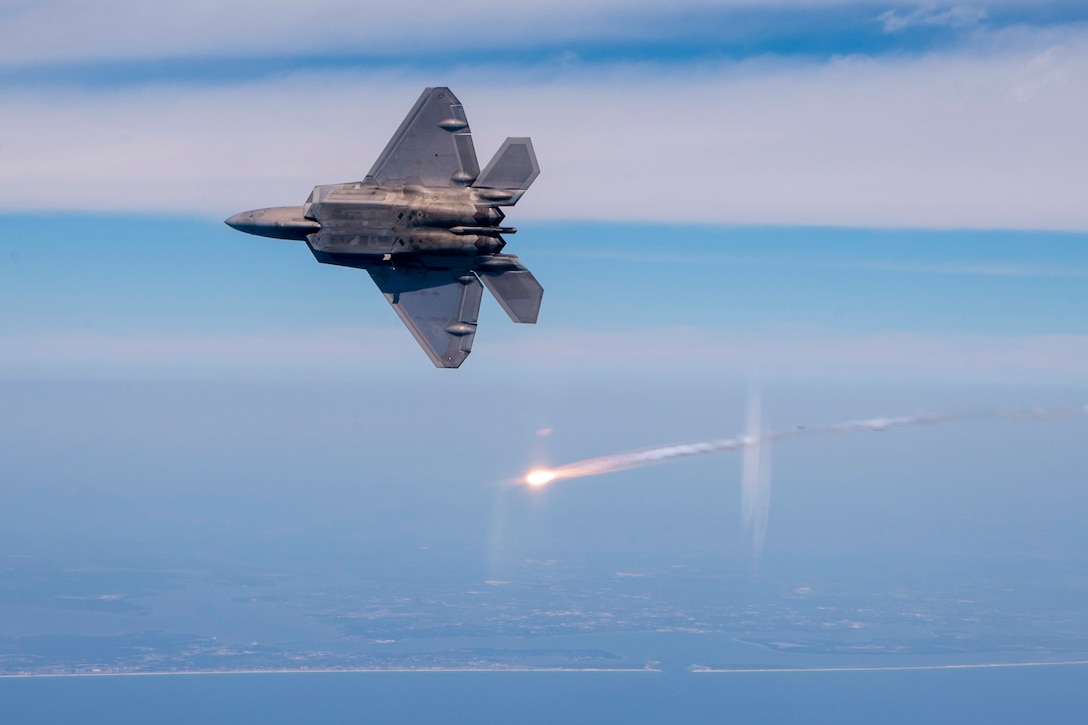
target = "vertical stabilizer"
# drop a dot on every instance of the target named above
(514, 167)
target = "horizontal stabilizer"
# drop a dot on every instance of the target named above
(513, 167)
(439, 306)
(513, 286)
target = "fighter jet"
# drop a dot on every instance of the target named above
(426, 224)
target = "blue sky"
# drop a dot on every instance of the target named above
(119, 295)
(860, 114)
(877, 206)
(240, 39)
(815, 189)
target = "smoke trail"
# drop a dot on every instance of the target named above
(755, 497)
(661, 454)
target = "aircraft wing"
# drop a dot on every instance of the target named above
(439, 306)
(432, 147)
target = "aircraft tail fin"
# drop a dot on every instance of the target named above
(513, 168)
(514, 286)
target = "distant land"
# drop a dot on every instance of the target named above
(548, 616)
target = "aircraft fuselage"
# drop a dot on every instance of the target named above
(362, 219)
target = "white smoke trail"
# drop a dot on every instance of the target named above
(755, 497)
(763, 501)
(756, 446)
(661, 454)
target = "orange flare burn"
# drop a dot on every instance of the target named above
(539, 478)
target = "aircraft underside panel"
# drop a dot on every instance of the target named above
(439, 306)
(375, 241)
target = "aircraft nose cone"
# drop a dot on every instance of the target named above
(239, 220)
(275, 222)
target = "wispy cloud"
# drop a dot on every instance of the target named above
(955, 16)
(805, 353)
(1043, 72)
(809, 352)
(95, 355)
(938, 141)
(965, 269)
(62, 30)
(71, 31)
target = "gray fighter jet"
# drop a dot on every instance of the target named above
(425, 223)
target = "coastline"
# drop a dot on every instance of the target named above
(694, 669)
(353, 670)
(700, 669)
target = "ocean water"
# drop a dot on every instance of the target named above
(1008, 695)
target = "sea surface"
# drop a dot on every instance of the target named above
(1050, 694)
